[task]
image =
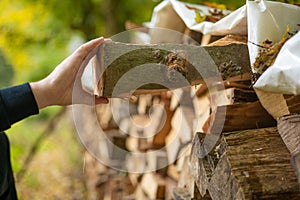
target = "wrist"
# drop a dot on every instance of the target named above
(41, 94)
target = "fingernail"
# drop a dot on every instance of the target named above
(107, 40)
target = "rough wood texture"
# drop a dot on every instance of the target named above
(164, 66)
(289, 130)
(279, 104)
(242, 81)
(181, 194)
(239, 116)
(230, 39)
(293, 103)
(250, 164)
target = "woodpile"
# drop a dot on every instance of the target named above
(198, 142)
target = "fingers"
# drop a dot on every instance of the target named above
(87, 51)
(101, 100)
(81, 96)
(86, 48)
(107, 40)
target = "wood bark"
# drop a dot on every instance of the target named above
(164, 66)
(249, 164)
(289, 130)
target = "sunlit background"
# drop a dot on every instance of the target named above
(35, 36)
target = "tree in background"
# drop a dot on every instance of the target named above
(34, 34)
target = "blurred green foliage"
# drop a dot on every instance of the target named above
(6, 71)
(34, 34)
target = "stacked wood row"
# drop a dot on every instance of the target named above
(248, 158)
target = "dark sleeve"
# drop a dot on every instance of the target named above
(16, 103)
(7, 182)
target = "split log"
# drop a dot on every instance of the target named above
(181, 132)
(95, 177)
(173, 172)
(250, 164)
(239, 116)
(289, 130)
(186, 179)
(230, 39)
(202, 111)
(279, 104)
(153, 185)
(181, 194)
(293, 103)
(192, 37)
(242, 81)
(157, 161)
(159, 139)
(164, 66)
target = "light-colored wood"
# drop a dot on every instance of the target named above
(275, 104)
(172, 146)
(279, 104)
(173, 172)
(181, 133)
(230, 39)
(186, 179)
(153, 185)
(157, 161)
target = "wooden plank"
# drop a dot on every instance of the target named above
(160, 61)
(251, 164)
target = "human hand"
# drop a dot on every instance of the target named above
(57, 88)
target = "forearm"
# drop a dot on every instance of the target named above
(19, 102)
(42, 95)
(16, 103)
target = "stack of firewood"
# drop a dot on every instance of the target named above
(198, 142)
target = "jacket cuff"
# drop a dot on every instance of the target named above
(4, 122)
(18, 102)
